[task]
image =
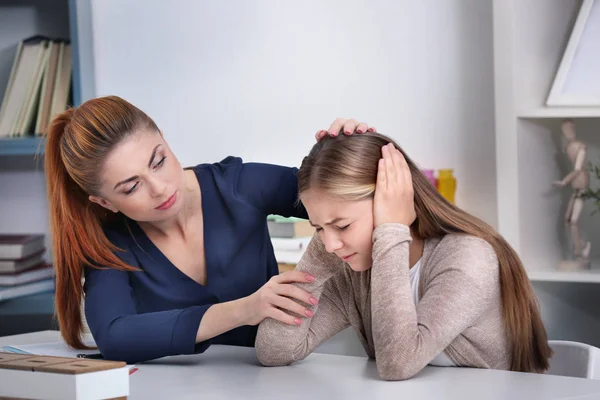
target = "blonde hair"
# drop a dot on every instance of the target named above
(346, 166)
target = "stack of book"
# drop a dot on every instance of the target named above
(23, 270)
(39, 86)
(290, 237)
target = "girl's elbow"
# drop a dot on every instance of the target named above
(270, 358)
(270, 351)
(394, 376)
(396, 372)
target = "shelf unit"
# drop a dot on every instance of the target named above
(529, 40)
(530, 37)
(22, 146)
(40, 303)
(23, 19)
(560, 276)
(27, 314)
(559, 112)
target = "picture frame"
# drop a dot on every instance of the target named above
(577, 81)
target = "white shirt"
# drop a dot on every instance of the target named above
(441, 360)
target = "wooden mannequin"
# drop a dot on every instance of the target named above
(579, 180)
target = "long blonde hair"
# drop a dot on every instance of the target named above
(346, 166)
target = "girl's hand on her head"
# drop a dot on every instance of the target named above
(276, 300)
(345, 126)
(394, 194)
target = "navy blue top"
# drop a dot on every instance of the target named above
(156, 312)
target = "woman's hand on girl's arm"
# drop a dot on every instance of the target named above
(277, 299)
(281, 343)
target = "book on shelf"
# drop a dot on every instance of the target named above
(289, 250)
(20, 246)
(16, 265)
(39, 86)
(282, 227)
(290, 237)
(290, 244)
(288, 257)
(33, 274)
(8, 292)
(47, 377)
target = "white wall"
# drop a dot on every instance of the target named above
(257, 79)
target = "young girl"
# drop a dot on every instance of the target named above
(421, 281)
(173, 259)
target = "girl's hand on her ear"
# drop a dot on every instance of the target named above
(345, 126)
(394, 195)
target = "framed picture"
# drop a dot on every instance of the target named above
(577, 81)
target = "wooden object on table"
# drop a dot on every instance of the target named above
(30, 376)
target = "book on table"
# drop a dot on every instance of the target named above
(47, 377)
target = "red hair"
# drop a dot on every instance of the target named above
(77, 144)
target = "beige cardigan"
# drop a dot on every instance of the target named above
(459, 309)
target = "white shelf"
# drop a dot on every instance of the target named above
(529, 42)
(591, 276)
(560, 112)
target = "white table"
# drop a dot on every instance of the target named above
(225, 372)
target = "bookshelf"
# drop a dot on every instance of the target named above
(24, 202)
(27, 314)
(25, 146)
(23, 19)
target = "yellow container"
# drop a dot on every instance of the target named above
(447, 184)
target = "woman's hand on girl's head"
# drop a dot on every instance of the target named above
(278, 299)
(345, 126)
(394, 194)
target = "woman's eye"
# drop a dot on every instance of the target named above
(132, 189)
(161, 162)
